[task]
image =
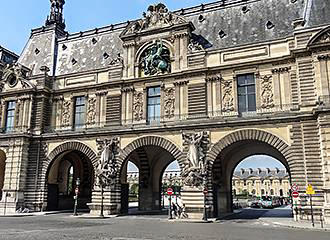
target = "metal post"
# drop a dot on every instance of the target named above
(170, 208)
(75, 213)
(311, 202)
(102, 193)
(205, 210)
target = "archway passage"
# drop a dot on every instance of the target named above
(2, 171)
(223, 173)
(62, 178)
(151, 162)
(261, 182)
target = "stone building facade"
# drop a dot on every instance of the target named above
(206, 86)
(261, 182)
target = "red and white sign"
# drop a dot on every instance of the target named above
(170, 191)
(205, 191)
(295, 194)
(294, 187)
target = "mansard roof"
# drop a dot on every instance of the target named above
(219, 25)
(261, 173)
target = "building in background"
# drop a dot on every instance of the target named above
(261, 182)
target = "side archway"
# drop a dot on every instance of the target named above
(226, 154)
(250, 134)
(68, 166)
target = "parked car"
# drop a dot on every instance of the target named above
(267, 202)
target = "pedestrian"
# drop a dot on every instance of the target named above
(174, 210)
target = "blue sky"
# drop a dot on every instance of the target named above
(18, 17)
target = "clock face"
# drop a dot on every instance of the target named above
(12, 81)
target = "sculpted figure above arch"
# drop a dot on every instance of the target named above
(107, 167)
(196, 168)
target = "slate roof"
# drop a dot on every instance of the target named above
(241, 22)
(261, 173)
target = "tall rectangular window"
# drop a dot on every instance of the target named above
(246, 91)
(10, 116)
(153, 104)
(80, 112)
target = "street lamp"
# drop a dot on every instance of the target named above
(76, 197)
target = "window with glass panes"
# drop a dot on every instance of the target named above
(80, 110)
(153, 104)
(10, 116)
(246, 91)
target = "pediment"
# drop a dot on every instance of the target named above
(157, 17)
(322, 38)
(14, 77)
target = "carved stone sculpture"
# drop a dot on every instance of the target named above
(157, 16)
(169, 102)
(13, 74)
(325, 37)
(138, 106)
(91, 111)
(194, 46)
(267, 100)
(156, 59)
(66, 113)
(195, 170)
(227, 99)
(107, 168)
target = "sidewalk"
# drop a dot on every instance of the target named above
(290, 223)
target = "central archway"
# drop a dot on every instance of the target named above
(231, 150)
(151, 155)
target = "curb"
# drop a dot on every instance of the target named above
(297, 227)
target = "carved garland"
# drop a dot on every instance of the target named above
(228, 99)
(66, 113)
(267, 96)
(138, 106)
(169, 102)
(91, 113)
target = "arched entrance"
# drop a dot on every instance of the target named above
(230, 151)
(2, 171)
(151, 155)
(62, 175)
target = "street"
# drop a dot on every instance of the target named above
(246, 225)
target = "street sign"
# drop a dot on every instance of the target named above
(170, 191)
(295, 194)
(310, 190)
(294, 187)
(205, 191)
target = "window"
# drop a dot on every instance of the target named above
(80, 109)
(153, 104)
(10, 116)
(246, 93)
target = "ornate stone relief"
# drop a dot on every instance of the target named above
(156, 59)
(119, 60)
(107, 167)
(13, 74)
(267, 96)
(66, 113)
(228, 99)
(195, 170)
(158, 16)
(138, 106)
(169, 102)
(325, 37)
(194, 46)
(91, 111)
